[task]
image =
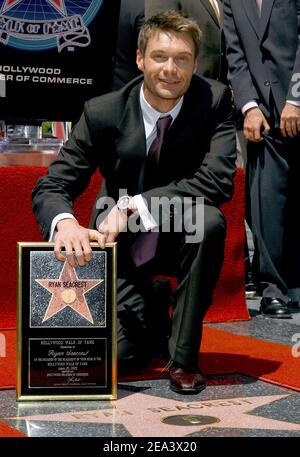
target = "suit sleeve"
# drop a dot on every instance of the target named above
(213, 179)
(157, 6)
(68, 176)
(238, 74)
(292, 95)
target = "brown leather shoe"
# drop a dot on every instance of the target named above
(186, 382)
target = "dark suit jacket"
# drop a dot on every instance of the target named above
(197, 158)
(131, 20)
(262, 54)
(212, 62)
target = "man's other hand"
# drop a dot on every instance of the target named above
(113, 224)
(76, 241)
(290, 120)
(254, 123)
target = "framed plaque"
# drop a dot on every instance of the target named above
(66, 331)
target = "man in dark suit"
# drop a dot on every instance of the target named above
(190, 165)
(131, 20)
(263, 51)
(212, 62)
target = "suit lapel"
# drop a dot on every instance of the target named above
(252, 14)
(189, 111)
(209, 8)
(131, 142)
(267, 6)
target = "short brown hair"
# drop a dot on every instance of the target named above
(169, 21)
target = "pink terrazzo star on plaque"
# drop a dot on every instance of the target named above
(70, 291)
(148, 416)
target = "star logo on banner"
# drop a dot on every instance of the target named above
(149, 416)
(59, 5)
(9, 4)
(68, 290)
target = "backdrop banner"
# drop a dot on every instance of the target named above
(55, 55)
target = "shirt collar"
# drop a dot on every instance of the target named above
(151, 116)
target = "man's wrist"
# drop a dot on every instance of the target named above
(248, 106)
(293, 103)
(55, 221)
(126, 205)
(63, 221)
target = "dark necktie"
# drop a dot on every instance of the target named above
(144, 247)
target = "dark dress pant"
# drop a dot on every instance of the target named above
(273, 190)
(196, 263)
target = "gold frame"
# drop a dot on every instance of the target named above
(85, 397)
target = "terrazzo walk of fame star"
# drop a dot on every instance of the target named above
(145, 415)
(68, 290)
(63, 296)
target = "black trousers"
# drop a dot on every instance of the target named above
(273, 189)
(195, 264)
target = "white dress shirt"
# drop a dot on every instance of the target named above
(254, 104)
(150, 117)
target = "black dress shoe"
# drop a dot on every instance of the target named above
(132, 357)
(275, 308)
(132, 363)
(183, 381)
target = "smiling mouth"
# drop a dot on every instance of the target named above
(165, 81)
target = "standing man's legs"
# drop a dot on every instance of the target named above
(267, 179)
(292, 226)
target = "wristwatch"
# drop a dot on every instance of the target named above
(124, 204)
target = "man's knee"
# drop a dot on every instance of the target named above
(202, 222)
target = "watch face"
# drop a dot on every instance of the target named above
(123, 203)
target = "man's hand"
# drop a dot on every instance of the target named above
(76, 241)
(254, 123)
(113, 224)
(290, 120)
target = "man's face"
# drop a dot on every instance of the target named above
(168, 64)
